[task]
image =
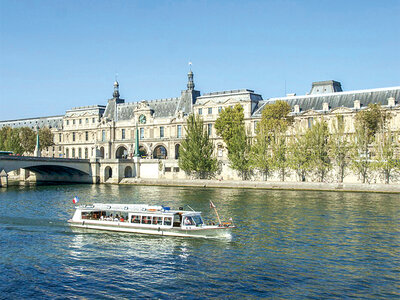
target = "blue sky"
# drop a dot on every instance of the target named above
(55, 55)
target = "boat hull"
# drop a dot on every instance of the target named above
(204, 232)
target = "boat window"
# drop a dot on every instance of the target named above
(157, 220)
(197, 220)
(188, 221)
(135, 219)
(146, 220)
(167, 221)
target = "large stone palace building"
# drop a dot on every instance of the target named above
(108, 131)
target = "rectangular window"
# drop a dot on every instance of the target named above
(103, 135)
(93, 120)
(141, 133)
(80, 121)
(210, 110)
(310, 122)
(179, 131)
(255, 126)
(135, 219)
(200, 111)
(123, 134)
(86, 135)
(209, 129)
(167, 221)
(73, 122)
(59, 137)
(73, 136)
(157, 220)
(219, 109)
(146, 220)
(87, 120)
(161, 132)
(67, 122)
(80, 153)
(167, 169)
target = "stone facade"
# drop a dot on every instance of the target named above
(108, 131)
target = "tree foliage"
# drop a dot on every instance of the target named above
(367, 123)
(196, 151)
(269, 148)
(28, 139)
(46, 138)
(299, 155)
(230, 126)
(318, 142)
(340, 147)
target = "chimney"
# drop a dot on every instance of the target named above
(325, 106)
(391, 102)
(296, 109)
(357, 104)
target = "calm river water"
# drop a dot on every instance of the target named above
(290, 245)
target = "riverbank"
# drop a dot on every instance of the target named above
(306, 186)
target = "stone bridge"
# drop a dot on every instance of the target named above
(48, 169)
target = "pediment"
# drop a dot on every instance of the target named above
(342, 109)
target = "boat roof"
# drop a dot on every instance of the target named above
(141, 208)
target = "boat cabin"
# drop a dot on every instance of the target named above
(139, 216)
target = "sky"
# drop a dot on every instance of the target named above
(55, 55)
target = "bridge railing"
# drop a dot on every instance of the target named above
(52, 159)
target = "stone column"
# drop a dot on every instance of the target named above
(3, 179)
(137, 166)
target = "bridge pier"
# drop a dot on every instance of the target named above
(3, 179)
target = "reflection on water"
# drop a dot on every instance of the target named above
(287, 245)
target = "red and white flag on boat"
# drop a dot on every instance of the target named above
(75, 200)
(212, 204)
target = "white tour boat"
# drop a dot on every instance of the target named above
(147, 219)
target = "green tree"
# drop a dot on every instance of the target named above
(299, 155)
(13, 141)
(4, 133)
(367, 123)
(28, 139)
(260, 157)
(318, 141)
(196, 151)
(387, 161)
(46, 138)
(269, 150)
(230, 126)
(340, 147)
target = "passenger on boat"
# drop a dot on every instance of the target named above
(116, 219)
(122, 219)
(187, 221)
(102, 218)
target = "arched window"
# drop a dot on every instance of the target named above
(142, 151)
(160, 152)
(67, 153)
(101, 152)
(177, 146)
(121, 152)
(86, 153)
(73, 153)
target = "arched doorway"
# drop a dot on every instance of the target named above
(128, 172)
(101, 152)
(107, 173)
(160, 152)
(121, 152)
(177, 146)
(142, 151)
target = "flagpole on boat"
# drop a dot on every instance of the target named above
(215, 209)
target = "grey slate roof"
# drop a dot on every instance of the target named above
(339, 99)
(51, 122)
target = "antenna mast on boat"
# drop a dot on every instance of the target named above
(215, 209)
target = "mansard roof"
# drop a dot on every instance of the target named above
(337, 99)
(51, 122)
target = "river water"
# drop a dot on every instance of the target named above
(288, 245)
